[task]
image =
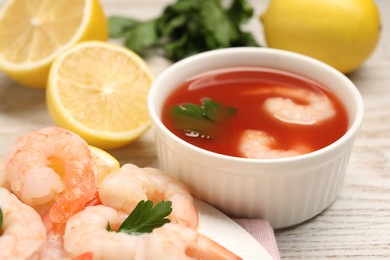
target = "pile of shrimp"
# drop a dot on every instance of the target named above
(53, 207)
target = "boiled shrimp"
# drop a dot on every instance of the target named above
(317, 107)
(53, 247)
(260, 145)
(52, 166)
(131, 184)
(22, 231)
(86, 232)
(3, 178)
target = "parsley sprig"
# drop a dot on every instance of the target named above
(1, 218)
(187, 27)
(145, 217)
(204, 119)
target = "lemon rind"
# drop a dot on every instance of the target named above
(44, 62)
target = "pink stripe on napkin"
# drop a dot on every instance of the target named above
(262, 231)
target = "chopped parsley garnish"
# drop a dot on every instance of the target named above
(201, 120)
(145, 217)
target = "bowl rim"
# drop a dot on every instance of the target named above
(348, 135)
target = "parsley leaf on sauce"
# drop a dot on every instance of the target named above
(145, 217)
(201, 120)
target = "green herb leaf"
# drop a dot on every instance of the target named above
(141, 36)
(119, 25)
(204, 120)
(187, 27)
(146, 217)
(108, 227)
(138, 35)
(240, 11)
(220, 31)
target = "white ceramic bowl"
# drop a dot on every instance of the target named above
(284, 191)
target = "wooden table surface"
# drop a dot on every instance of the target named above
(356, 226)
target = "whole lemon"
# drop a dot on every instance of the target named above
(341, 33)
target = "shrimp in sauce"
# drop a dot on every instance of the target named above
(259, 145)
(315, 107)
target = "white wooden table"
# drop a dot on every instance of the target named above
(356, 226)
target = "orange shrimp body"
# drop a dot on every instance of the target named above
(52, 166)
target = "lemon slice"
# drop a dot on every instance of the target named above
(33, 33)
(99, 91)
(104, 163)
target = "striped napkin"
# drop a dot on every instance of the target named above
(262, 231)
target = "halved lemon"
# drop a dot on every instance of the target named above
(99, 91)
(33, 33)
(104, 163)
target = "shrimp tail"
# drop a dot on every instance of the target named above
(73, 201)
(65, 207)
(205, 249)
(95, 200)
(84, 256)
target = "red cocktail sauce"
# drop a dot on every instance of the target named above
(243, 89)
